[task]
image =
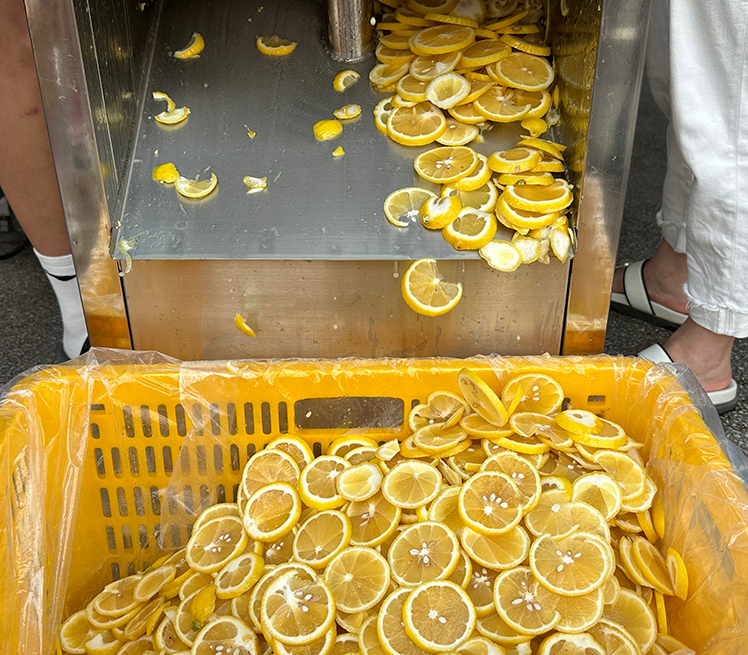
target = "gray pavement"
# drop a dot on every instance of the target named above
(30, 329)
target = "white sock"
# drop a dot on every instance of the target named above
(61, 275)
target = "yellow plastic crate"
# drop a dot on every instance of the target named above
(87, 452)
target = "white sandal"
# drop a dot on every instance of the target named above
(634, 301)
(723, 400)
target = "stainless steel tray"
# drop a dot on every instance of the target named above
(315, 206)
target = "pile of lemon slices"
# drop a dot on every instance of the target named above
(503, 524)
(455, 68)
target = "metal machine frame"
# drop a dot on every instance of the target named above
(94, 60)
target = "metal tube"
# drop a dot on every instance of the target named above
(350, 32)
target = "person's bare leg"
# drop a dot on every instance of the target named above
(706, 353)
(27, 174)
(664, 274)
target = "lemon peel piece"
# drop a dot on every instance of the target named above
(242, 325)
(196, 188)
(159, 96)
(193, 48)
(174, 116)
(275, 46)
(167, 173)
(255, 184)
(338, 152)
(346, 112)
(327, 129)
(345, 79)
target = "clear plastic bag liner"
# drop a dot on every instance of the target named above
(105, 463)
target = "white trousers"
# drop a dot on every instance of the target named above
(697, 64)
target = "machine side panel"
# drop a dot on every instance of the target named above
(339, 309)
(81, 171)
(610, 120)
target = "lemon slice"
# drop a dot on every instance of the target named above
(275, 46)
(162, 97)
(477, 179)
(678, 573)
(327, 129)
(391, 632)
(451, 19)
(346, 79)
(272, 511)
(227, 634)
(215, 544)
(490, 503)
(397, 101)
(426, 68)
(296, 609)
(484, 52)
(520, 603)
(520, 70)
(515, 160)
(437, 213)
(633, 613)
(458, 134)
(481, 398)
(563, 642)
(412, 89)
(448, 90)
(439, 616)
(540, 393)
(387, 55)
(652, 565)
(526, 177)
(471, 230)
(444, 164)
(194, 188)
(497, 552)
(505, 10)
(358, 578)
(574, 565)
(255, 184)
(552, 148)
(553, 197)
(467, 114)
(614, 639)
(411, 18)
(523, 220)
(422, 552)
(493, 627)
(483, 198)
(521, 472)
(382, 112)
(425, 292)
(103, 643)
(347, 112)
(561, 243)
(441, 39)
(411, 484)
(193, 48)
(167, 173)
(526, 46)
(268, 466)
(395, 41)
(535, 126)
(502, 255)
(360, 482)
(499, 104)
(403, 207)
(75, 632)
(239, 575)
(173, 117)
(439, 440)
(384, 75)
(152, 582)
(418, 125)
(599, 490)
